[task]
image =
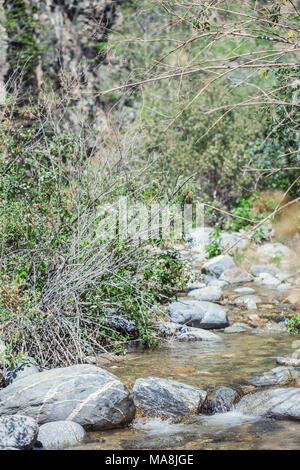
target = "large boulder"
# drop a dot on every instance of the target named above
(198, 314)
(86, 394)
(236, 275)
(60, 434)
(282, 403)
(163, 397)
(218, 265)
(17, 432)
(277, 376)
(209, 293)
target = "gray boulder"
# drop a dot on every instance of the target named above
(277, 376)
(86, 394)
(238, 328)
(60, 434)
(236, 275)
(217, 265)
(220, 400)
(282, 403)
(198, 314)
(17, 432)
(209, 293)
(164, 397)
(188, 333)
(21, 370)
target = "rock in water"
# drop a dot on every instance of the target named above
(277, 376)
(188, 333)
(288, 361)
(60, 434)
(83, 393)
(163, 397)
(198, 314)
(282, 403)
(218, 265)
(210, 293)
(238, 328)
(220, 400)
(17, 432)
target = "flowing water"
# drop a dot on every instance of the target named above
(204, 365)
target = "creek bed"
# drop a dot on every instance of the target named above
(204, 365)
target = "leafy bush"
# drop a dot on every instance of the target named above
(293, 324)
(214, 247)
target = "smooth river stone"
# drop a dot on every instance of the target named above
(163, 397)
(86, 394)
(281, 403)
(200, 314)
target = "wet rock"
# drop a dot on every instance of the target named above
(244, 290)
(250, 301)
(277, 376)
(236, 275)
(288, 361)
(60, 434)
(220, 400)
(238, 328)
(198, 314)
(218, 265)
(83, 393)
(163, 397)
(209, 293)
(188, 333)
(17, 432)
(266, 279)
(281, 403)
(22, 370)
(257, 269)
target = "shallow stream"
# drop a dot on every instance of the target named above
(204, 365)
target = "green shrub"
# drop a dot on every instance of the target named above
(293, 324)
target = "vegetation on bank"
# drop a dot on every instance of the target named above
(65, 287)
